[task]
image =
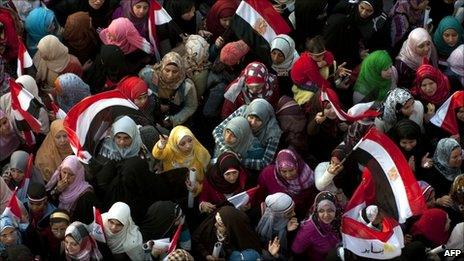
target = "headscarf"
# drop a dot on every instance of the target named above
(370, 77)
(286, 45)
(434, 74)
(264, 111)
(123, 125)
(24, 7)
(51, 59)
(171, 58)
(70, 89)
(275, 218)
(441, 158)
(72, 193)
(79, 33)
(89, 249)
(132, 87)
(126, 36)
(240, 127)
(406, 7)
(159, 221)
(10, 38)
(129, 239)
(448, 22)
(239, 232)
(457, 192)
(19, 160)
(10, 142)
(254, 73)
(220, 9)
(37, 25)
(4, 77)
(289, 159)
(141, 24)
(431, 225)
(427, 190)
(198, 151)
(49, 156)
(233, 52)
(225, 162)
(196, 59)
(408, 53)
(176, 8)
(326, 198)
(455, 62)
(7, 222)
(406, 129)
(396, 99)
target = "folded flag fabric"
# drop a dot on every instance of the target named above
(96, 227)
(244, 197)
(158, 20)
(12, 209)
(24, 59)
(445, 117)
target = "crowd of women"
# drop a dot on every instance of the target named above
(223, 119)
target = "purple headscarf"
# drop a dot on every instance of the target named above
(125, 10)
(10, 142)
(289, 159)
(70, 195)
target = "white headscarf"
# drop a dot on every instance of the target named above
(408, 53)
(286, 45)
(129, 239)
(456, 62)
(123, 125)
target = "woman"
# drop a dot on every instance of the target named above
(196, 62)
(448, 36)
(9, 234)
(320, 232)
(290, 175)
(278, 221)
(52, 59)
(428, 192)
(455, 70)
(219, 19)
(400, 104)
(80, 37)
(415, 50)
(376, 78)
(254, 82)
(182, 150)
(228, 226)
(79, 244)
(176, 93)
(70, 89)
(457, 196)
(54, 149)
(406, 15)
(283, 56)
(185, 17)
(68, 188)
(226, 178)
(9, 139)
(122, 234)
(9, 42)
(432, 228)
(265, 129)
(137, 12)
(59, 222)
(431, 87)
(135, 89)
(40, 22)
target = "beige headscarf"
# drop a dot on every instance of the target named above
(171, 58)
(196, 55)
(51, 59)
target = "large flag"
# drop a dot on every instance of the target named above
(244, 197)
(96, 227)
(157, 19)
(12, 209)
(396, 189)
(366, 241)
(24, 59)
(257, 23)
(87, 122)
(445, 117)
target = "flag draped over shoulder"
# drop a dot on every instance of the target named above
(445, 117)
(87, 122)
(158, 20)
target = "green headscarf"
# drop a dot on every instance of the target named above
(370, 78)
(448, 22)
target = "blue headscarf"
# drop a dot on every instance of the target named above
(37, 25)
(7, 222)
(448, 22)
(72, 90)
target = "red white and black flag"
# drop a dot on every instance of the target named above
(87, 122)
(445, 117)
(158, 20)
(24, 59)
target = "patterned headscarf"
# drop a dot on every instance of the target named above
(396, 99)
(171, 58)
(89, 249)
(290, 159)
(434, 74)
(442, 155)
(196, 59)
(70, 89)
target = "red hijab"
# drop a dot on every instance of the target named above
(443, 87)
(220, 9)
(10, 39)
(132, 87)
(431, 225)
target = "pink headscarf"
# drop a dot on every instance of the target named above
(408, 53)
(72, 193)
(125, 36)
(289, 159)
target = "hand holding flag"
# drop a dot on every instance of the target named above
(96, 227)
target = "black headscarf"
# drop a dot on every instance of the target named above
(176, 8)
(215, 176)
(159, 220)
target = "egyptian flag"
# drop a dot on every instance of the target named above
(175, 239)
(57, 111)
(395, 188)
(12, 209)
(244, 197)
(87, 122)
(366, 241)
(24, 59)
(96, 227)
(158, 20)
(353, 115)
(257, 23)
(24, 185)
(445, 117)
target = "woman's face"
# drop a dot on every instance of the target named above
(186, 144)
(255, 88)
(141, 99)
(68, 175)
(326, 214)
(188, 15)
(96, 4)
(17, 174)
(5, 127)
(455, 159)
(408, 144)
(229, 137)
(122, 140)
(37, 207)
(460, 114)
(329, 112)
(255, 122)
(429, 87)
(365, 10)
(61, 139)
(408, 108)
(72, 246)
(225, 21)
(220, 227)
(387, 73)
(170, 73)
(451, 37)
(58, 229)
(288, 173)
(231, 175)
(115, 226)
(291, 213)
(423, 49)
(140, 9)
(9, 236)
(277, 57)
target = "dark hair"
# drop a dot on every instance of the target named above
(406, 129)
(315, 45)
(179, 7)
